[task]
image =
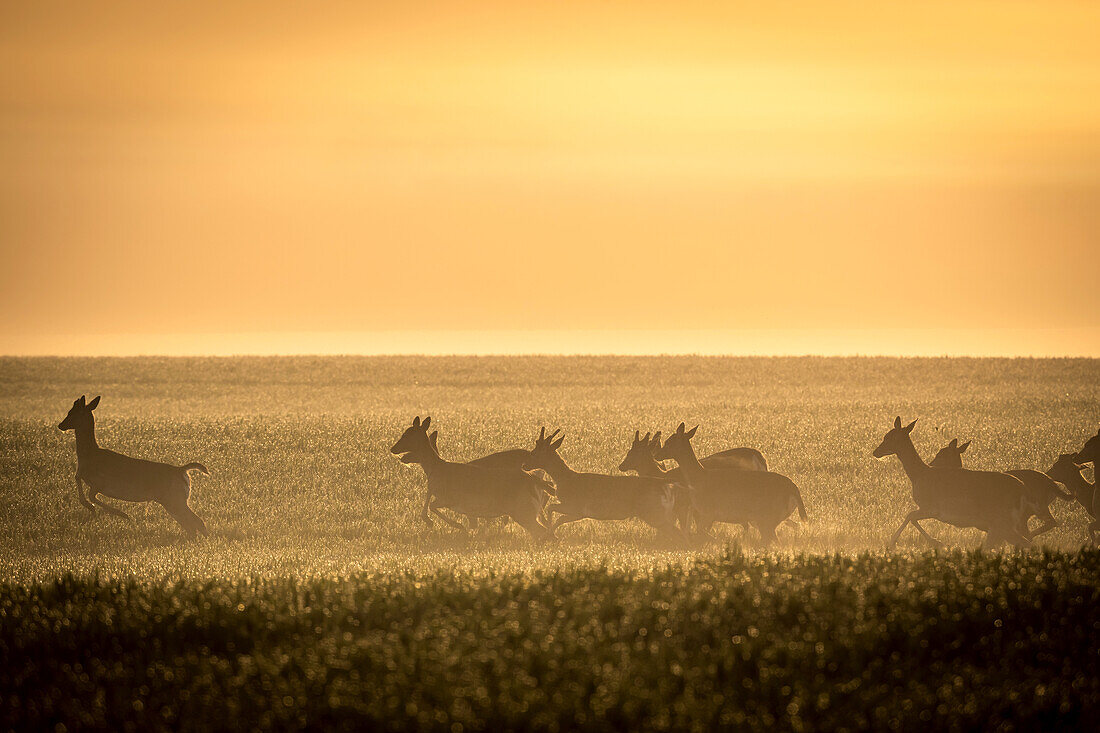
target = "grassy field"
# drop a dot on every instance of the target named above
(321, 597)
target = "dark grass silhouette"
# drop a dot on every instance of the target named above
(948, 641)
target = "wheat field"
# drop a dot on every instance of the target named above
(303, 483)
(319, 599)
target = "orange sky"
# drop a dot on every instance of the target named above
(290, 170)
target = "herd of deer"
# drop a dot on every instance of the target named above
(538, 490)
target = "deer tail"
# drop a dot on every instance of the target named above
(195, 467)
(797, 496)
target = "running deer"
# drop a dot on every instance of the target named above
(1067, 470)
(476, 491)
(990, 501)
(599, 496)
(129, 479)
(640, 460)
(1040, 490)
(762, 499)
(508, 459)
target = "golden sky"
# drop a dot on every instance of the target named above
(180, 169)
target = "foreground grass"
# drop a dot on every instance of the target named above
(935, 641)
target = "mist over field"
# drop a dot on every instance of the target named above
(303, 482)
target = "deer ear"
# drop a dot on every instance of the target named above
(691, 433)
(94, 403)
(637, 437)
(426, 423)
(680, 428)
(657, 437)
(954, 443)
(542, 432)
(909, 427)
(433, 439)
(557, 443)
(645, 439)
(964, 446)
(79, 402)
(897, 421)
(416, 421)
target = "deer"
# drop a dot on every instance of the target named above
(508, 459)
(987, 500)
(1040, 490)
(1067, 471)
(640, 460)
(476, 491)
(762, 499)
(129, 479)
(602, 497)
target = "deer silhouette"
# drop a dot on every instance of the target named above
(762, 499)
(476, 491)
(1040, 490)
(990, 501)
(129, 479)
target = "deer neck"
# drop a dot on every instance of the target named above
(85, 439)
(654, 468)
(558, 469)
(911, 461)
(689, 464)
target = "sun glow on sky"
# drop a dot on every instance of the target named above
(498, 168)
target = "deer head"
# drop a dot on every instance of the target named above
(677, 446)
(895, 439)
(414, 441)
(640, 456)
(950, 456)
(80, 415)
(1091, 451)
(545, 451)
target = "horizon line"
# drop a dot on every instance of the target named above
(1070, 343)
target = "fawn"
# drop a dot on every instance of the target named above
(762, 499)
(129, 479)
(1040, 490)
(990, 501)
(476, 491)
(598, 496)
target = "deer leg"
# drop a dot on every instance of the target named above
(188, 521)
(80, 495)
(767, 533)
(445, 518)
(930, 538)
(565, 519)
(912, 518)
(109, 509)
(427, 506)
